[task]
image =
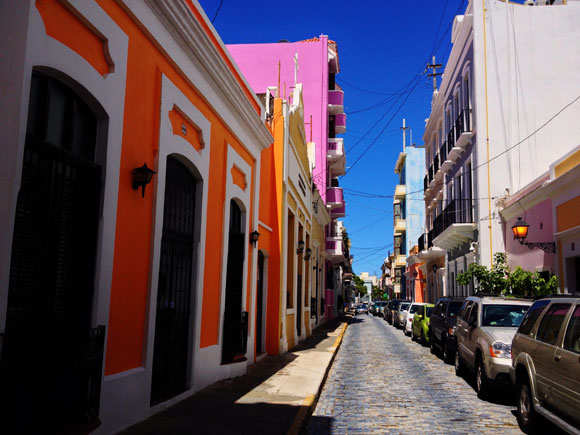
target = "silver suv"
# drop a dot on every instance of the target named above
(486, 326)
(546, 363)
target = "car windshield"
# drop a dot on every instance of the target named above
(404, 306)
(429, 311)
(503, 315)
(414, 308)
(454, 308)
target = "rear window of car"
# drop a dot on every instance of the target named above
(404, 306)
(503, 315)
(532, 315)
(429, 311)
(395, 305)
(454, 309)
(551, 323)
(572, 339)
(414, 308)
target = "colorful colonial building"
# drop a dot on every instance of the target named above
(118, 297)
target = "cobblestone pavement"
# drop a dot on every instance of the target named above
(382, 382)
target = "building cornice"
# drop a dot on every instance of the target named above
(196, 44)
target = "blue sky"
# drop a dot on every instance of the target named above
(383, 48)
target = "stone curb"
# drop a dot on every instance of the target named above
(309, 403)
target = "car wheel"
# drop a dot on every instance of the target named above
(423, 341)
(526, 413)
(458, 364)
(481, 381)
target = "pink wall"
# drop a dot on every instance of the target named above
(259, 64)
(539, 218)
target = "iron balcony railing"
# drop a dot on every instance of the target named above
(443, 153)
(430, 173)
(430, 237)
(458, 211)
(463, 123)
(425, 183)
(421, 242)
(436, 164)
(450, 140)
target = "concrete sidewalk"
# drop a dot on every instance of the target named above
(275, 396)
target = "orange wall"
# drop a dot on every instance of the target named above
(567, 215)
(129, 292)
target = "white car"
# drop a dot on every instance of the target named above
(408, 320)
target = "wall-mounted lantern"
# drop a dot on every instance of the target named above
(142, 177)
(300, 249)
(520, 230)
(254, 236)
(308, 254)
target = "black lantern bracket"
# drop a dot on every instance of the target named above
(142, 177)
(520, 230)
(547, 247)
(254, 236)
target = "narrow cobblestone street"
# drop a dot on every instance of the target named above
(382, 382)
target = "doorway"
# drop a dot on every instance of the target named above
(234, 320)
(174, 290)
(51, 362)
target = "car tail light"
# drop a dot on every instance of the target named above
(409, 320)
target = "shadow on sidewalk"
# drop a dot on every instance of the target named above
(214, 410)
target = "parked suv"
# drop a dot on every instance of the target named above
(546, 363)
(400, 313)
(379, 308)
(486, 326)
(442, 326)
(389, 309)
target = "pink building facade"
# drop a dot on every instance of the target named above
(275, 69)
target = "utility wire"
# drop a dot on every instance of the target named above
(217, 11)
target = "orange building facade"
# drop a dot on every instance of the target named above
(153, 291)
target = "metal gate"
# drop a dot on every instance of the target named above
(51, 364)
(171, 348)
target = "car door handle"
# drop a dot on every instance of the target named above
(557, 357)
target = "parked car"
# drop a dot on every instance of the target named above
(408, 320)
(380, 307)
(387, 313)
(442, 327)
(399, 320)
(546, 363)
(486, 326)
(420, 328)
(388, 310)
(395, 311)
(360, 309)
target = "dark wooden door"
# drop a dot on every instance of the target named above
(299, 305)
(233, 328)
(260, 302)
(172, 320)
(51, 362)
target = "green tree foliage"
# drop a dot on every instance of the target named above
(359, 285)
(377, 294)
(498, 280)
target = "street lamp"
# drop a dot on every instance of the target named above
(520, 230)
(142, 177)
(300, 249)
(254, 236)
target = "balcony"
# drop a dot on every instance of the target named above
(453, 151)
(463, 133)
(340, 123)
(426, 184)
(446, 163)
(334, 150)
(421, 242)
(334, 247)
(335, 156)
(400, 191)
(337, 212)
(400, 224)
(335, 102)
(334, 197)
(454, 226)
